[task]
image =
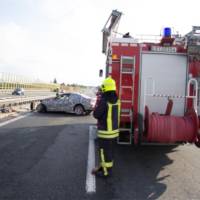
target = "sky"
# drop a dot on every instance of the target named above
(62, 39)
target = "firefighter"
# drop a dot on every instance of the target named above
(32, 106)
(107, 114)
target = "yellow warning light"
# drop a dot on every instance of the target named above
(114, 56)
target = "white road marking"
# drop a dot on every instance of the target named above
(13, 120)
(90, 179)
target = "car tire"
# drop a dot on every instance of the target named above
(41, 108)
(79, 110)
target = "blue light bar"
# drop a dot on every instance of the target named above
(167, 32)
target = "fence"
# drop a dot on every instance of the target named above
(10, 81)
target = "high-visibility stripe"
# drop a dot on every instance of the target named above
(109, 117)
(106, 136)
(119, 110)
(109, 164)
(103, 164)
(111, 123)
(108, 132)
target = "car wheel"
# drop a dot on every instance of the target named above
(79, 110)
(41, 108)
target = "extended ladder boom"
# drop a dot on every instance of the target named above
(109, 27)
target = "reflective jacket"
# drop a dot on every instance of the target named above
(107, 112)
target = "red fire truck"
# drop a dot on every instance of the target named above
(157, 83)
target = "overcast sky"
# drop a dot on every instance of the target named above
(62, 39)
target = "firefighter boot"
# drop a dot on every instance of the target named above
(99, 172)
(96, 169)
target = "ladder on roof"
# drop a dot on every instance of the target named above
(110, 27)
(126, 95)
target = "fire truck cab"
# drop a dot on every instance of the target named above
(157, 83)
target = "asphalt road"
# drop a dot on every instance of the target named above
(44, 157)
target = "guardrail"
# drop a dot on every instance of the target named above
(9, 102)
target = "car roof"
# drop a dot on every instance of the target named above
(69, 93)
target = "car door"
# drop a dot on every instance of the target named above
(60, 103)
(55, 104)
(65, 107)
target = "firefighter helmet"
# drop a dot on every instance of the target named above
(108, 85)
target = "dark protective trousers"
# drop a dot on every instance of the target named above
(106, 153)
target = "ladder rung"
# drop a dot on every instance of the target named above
(120, 140)
(126, 86)
(128, 72)
(126, 101)
(126, 110)
(128, 57)
(125, 115)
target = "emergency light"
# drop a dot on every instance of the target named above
(167, 32)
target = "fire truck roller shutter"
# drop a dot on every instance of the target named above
(168, 72)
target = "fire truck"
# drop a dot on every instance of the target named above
(157, 83)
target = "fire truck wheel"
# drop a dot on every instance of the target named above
(197, 143)
(79, 110)
(140, 118)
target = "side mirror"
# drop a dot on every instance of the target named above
(100, 72)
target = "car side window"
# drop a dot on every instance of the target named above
(60, 97)
(67, 96)
(73, 96)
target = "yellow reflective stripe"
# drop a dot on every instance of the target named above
(109, 164)
(119, 109)
(108, 132)
(103, 164)
(109, 117)
(108, 136)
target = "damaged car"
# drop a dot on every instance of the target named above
(76, 103)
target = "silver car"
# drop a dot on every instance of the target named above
(18, 91)
(68, 102)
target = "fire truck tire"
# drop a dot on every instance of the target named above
(79, 110)
(197, 142)
(140, 127)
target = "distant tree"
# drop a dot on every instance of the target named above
(55, 81)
